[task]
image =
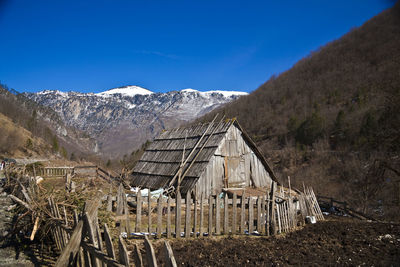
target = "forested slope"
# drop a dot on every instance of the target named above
(30, 129)
(333, 119)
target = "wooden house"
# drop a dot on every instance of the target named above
(206, 158)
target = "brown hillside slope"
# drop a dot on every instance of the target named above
(44, 124)
(333, 119)
(16, 141)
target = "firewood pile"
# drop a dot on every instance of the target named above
(47, 214)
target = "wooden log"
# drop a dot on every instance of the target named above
(226, 214)
(188, 229)
(242, 213)
(149, 200)
(19, 201)
(169, 217)
(108, 241)
(123, 252)
(210, 214)
(234, 213)
(259, 214)
(251, 215)
(169, 255)
(137, 256)
(201, 216)
(150, 254)
(138, 226)
(35, 228)
(178, 215)
(217, 215)
(159, 215)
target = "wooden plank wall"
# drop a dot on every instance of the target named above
(233, 162)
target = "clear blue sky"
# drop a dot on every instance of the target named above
(92, 46)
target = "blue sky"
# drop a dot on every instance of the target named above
(92, 46)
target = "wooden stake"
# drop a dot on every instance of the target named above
(138, 211)
(178, 215)
(187, 215)
(234, 211)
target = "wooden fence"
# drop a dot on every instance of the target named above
(88, 245)
(342, 206)
(55, 171)
(93, 171)
(274, 212)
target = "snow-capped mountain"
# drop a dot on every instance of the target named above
(123, 118)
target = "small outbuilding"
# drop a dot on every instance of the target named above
(206, 158)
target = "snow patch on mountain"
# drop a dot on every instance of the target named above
(126, 91)
(208, 93)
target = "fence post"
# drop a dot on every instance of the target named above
(187, 215)
(128, 222)
(159, 215)
(169, 217)
(138, 211)
(151, 257)
(210, 214)
(259, 218)
(123, 252)
(226, 214)
(178, 214)
(108, 242)
(109, 202)
(272, 208)
(195, 216)
(149, 210)
(120, 203)
(217, 216)
(242, 213)
(234, 213)
(89, 229)
(201, 216)
(267, 219)
(251, 215)
(137, 256)
(169, 255)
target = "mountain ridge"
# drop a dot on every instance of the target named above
(123, 118)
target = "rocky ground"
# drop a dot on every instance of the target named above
(337, 241)
(10, 253)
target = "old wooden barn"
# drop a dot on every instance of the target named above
(206, 158)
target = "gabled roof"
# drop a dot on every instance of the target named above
(161, 160)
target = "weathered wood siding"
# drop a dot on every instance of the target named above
(233, 163)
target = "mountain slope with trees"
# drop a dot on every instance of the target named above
(30, 129)
(333, 119)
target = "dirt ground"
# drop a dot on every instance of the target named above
(337, 241)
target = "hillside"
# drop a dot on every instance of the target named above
(333, 119)
(30, 129)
